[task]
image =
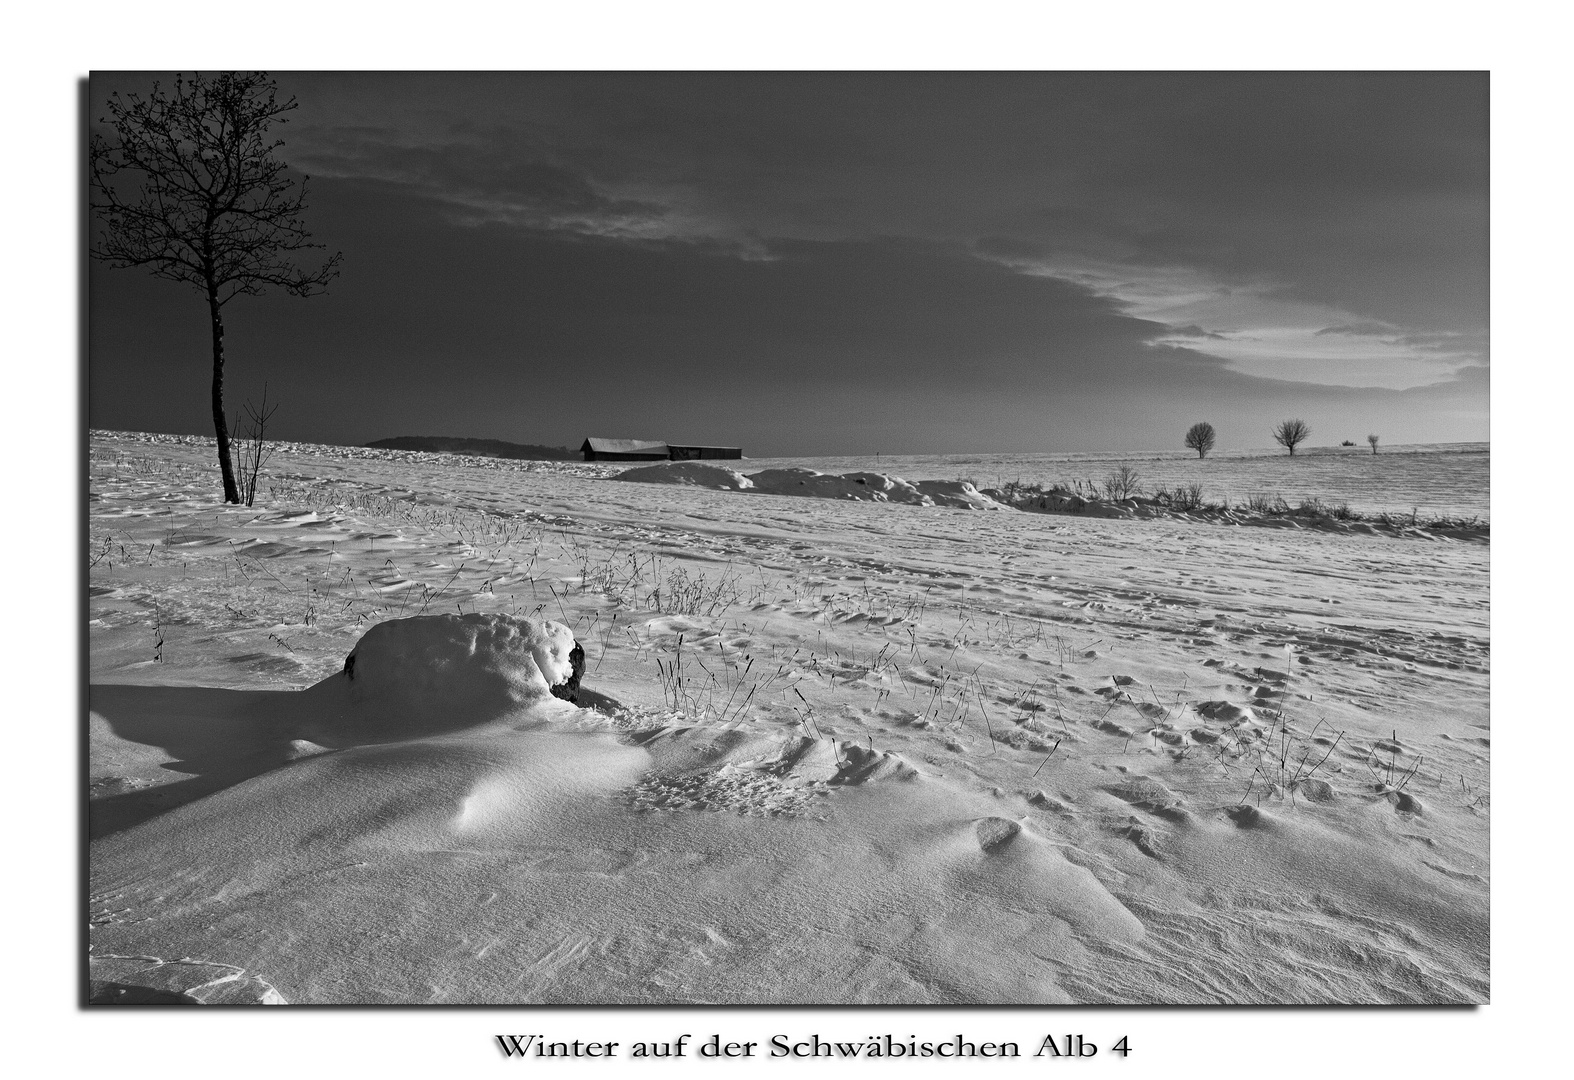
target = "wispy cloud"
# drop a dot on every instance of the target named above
(502, 178)
(1368, 328)
(1254, 326)
(1196, 332)
(1207, 254)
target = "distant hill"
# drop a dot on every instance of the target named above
(437, 444)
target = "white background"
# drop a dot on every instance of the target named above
(47, 54)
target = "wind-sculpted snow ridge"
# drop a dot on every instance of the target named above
(857, 486)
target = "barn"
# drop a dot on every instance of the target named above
(697, 453)
(642, 450)
(623, 450)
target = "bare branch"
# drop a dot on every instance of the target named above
(191, 188)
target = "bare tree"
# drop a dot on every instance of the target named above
(252, 444)
(1373, 440)
(190, 189)
(1199, 437)
(1290, 434)
(1122, 483)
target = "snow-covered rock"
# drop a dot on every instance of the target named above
(430, 674)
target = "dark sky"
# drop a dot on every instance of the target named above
(853, 263)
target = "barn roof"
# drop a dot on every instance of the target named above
(625, 446)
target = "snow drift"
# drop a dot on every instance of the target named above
(858, 486)
(694, 473)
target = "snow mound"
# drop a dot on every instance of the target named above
(694, 473)
(435, 674)
(957, 493)
(860, 486)
(863, 486)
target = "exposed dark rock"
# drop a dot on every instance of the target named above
(569, 690)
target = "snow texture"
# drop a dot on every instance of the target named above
(858, 486)
(441, 673)
(853, 752)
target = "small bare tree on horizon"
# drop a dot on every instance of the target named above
(1373, 440)
(1290, 434)
(207, 202)
(1200, 437)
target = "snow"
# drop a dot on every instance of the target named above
(696, 473)
(426, 675)
(866, 486)
(957, 493)
(833, 750)
(861, 486)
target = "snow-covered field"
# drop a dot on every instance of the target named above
(1445, 480)
(833, 751)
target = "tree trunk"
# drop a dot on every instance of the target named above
(220, 424)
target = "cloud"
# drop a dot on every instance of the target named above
(1361, 196)
(1195, 331)
(534, 335)
(1071, 242)
(495, 176)
(1329, 184)
(1368, 328)
(1257, 325)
